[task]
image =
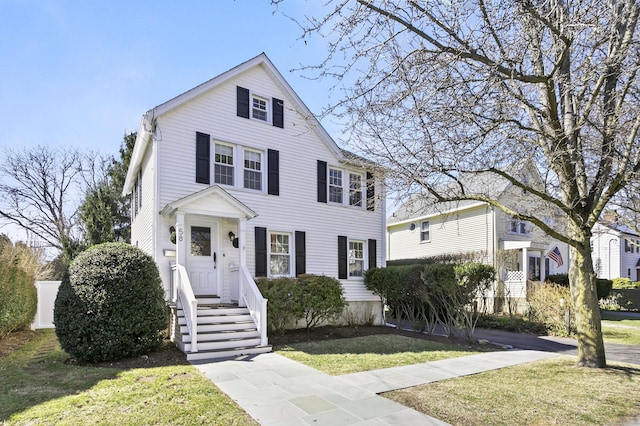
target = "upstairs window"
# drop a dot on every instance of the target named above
(259, 108)
(335, 185)
(517, 226)
(355, 189)
(252, 170)
(224, 164)
(424, 231)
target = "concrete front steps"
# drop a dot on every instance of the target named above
(223, 331)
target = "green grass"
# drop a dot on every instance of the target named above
(38, 388)
(617, 328)
(553, 391)
(342, 356)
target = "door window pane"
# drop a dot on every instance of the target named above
(200, 241)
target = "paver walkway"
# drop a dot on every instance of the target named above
(275, 390)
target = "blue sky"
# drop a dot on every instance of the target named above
(81, 73)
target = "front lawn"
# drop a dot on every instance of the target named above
(343, 356)
(553, 391)
(618, 328)
(37, 387)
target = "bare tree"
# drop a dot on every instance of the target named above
(440, 91)
(38, 193)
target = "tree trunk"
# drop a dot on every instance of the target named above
(582, 280)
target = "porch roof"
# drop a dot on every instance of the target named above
(520, 244)
(220, 203)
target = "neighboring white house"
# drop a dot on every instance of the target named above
(615, 250)
(518, 250)
(236, 179)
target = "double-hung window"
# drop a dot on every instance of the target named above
(259, 108)
(355, 189)
(224, 164)
(279, 254)
(252, 170)
(517, 226)
(335, 185)
(424, 231)
(356, 258)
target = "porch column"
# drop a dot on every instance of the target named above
(543, 264)
(525, 264)
(242, 245)
(181, 245)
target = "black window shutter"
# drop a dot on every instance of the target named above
(342, 257)
(261, 251)
(322, 181)
(242, 95)
(203, 159)
(372, 254)
(278, 112)
(371, 192)
(301, 253)
(273, 176)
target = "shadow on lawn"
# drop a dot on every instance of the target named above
(40, 372)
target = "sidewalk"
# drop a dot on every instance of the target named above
(275, 390)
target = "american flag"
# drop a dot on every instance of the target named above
(556, 256)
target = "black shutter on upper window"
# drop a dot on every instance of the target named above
(203, 157)
(278, 112)
(242, 95)
(372, 254)
(342, 257)
(322, 181)
(371, 192)
(301, 253)
(273, 175)
(261, 251)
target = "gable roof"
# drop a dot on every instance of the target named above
(487, 184)
(213, 190)
(147, 124)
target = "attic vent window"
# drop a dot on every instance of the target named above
(259, 110)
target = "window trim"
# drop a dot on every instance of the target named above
(232, 165)
(422, 231)
(291, 250)
(356, 259)
(245, 169)
(345, 187)
(331, 185)
(361, 179)
(520, 225)
(267, 107)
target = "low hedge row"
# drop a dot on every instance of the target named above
(312, 298)
(603, 285)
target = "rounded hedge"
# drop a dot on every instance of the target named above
(111, 304)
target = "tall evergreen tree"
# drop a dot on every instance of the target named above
(105, 212)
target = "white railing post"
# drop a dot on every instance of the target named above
(189, 303)
(263, 323)
(251, 298)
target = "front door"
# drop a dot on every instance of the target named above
(202, 257)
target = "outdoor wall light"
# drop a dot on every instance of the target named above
(233, 239)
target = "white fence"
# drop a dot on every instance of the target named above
(47, 292)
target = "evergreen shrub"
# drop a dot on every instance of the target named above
(111, 304)
(18, 295)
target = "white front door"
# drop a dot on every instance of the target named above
(202, 257)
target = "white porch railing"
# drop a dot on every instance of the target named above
(183, 292)
(250, 297)
(515, 284)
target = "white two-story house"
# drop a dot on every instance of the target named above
(615, 249)
(518, 250)
(236, 179)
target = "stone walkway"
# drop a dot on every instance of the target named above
(275, 390)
